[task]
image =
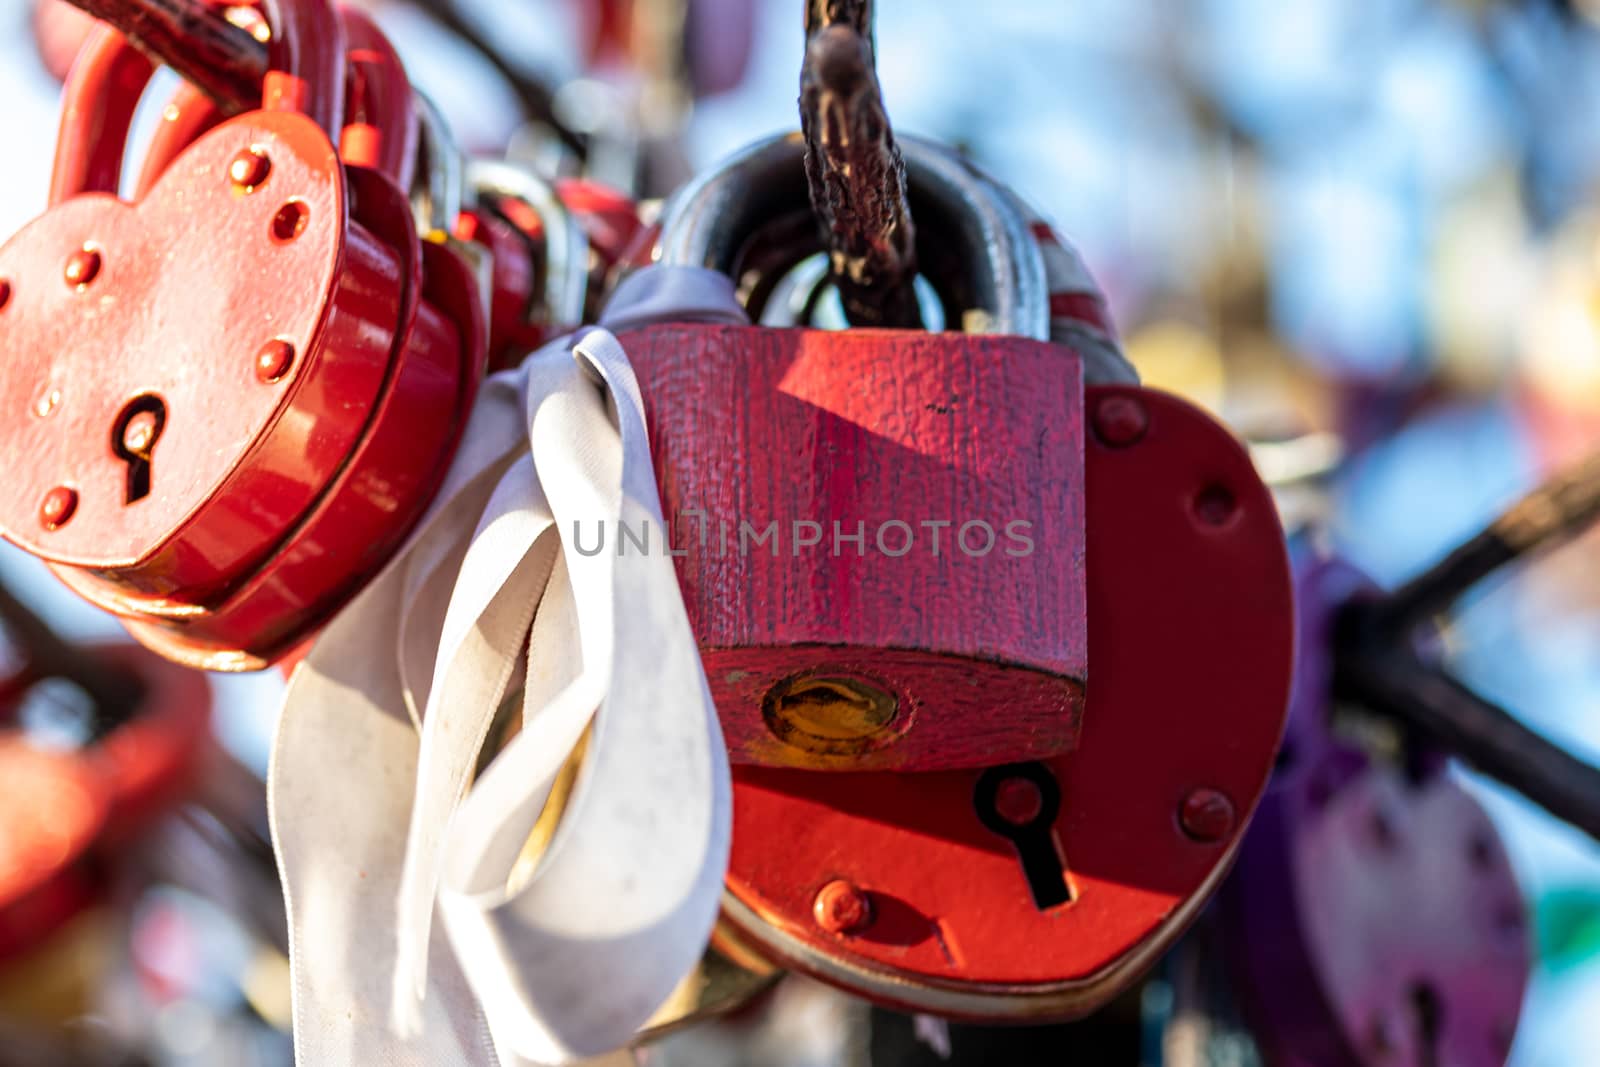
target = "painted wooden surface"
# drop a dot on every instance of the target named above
(805, 477)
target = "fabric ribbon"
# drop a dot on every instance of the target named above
(424, 929)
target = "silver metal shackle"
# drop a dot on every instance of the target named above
(566, 245)
(974, 243)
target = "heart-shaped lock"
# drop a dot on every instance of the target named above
(230, 426)
(1373, 916)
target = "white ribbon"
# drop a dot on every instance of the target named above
(415, 936)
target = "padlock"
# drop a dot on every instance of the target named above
(867, 430)
(540, 252)
(66, 805)
(1373, 916)
(228, 427)
(1048, 848)
(543, 283)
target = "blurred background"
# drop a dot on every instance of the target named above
(1365, 232)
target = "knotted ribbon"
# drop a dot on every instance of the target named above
(422, 930)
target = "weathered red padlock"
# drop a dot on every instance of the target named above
(848, 499)
(228, 426)
(980, 784)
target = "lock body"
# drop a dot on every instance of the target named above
(880, 539)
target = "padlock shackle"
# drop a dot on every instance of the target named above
(381, 127)
(566, 246)
(188, 114)
(99, 98)
(440, 180)
(104, 87)
(305, 61)
(961, 215)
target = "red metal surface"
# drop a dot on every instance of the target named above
(368, 511)
(332, 292)
(514, 235)
(99, 99)
(609, 28)
(512, 331)
(381, 129)
(982, 643)
(610, 219)
(272, 492)
(305, 61)
(222, 59)
(1190, 620)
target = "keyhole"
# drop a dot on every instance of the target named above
(1020, 802)
(1428, 1011)
(133, 440)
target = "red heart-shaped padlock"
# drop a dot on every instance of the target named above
(230, 426)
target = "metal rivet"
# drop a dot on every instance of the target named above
(841, 908)
(1120, 420)
(59, 504)
(1018, 801)
(1207, 815)
(82, 266)
(249, 169)
(274, 359)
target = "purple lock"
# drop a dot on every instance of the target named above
(1372, 919)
